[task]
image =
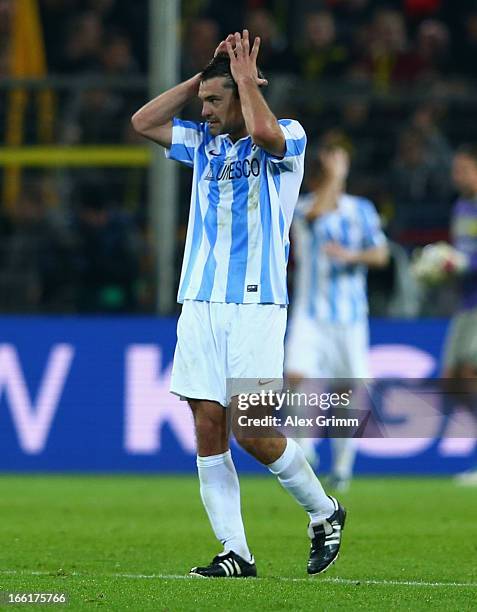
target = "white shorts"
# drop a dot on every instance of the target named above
(219, 343)
(319, 349)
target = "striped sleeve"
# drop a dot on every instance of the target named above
(295, 145)
(186, 138)
(373, 235)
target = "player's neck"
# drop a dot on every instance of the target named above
(238, 134)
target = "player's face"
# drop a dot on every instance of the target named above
(221, 109)
(464, 174)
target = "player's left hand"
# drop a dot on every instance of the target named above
(243, 61)
(222, 46)
(338, 252)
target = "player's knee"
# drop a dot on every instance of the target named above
(250, 445)
(242, 436)
(211, 433)
(206, 427)
(266, 450)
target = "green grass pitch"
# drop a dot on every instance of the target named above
(126, 543)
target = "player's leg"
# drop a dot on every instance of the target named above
(286, 460)
(300, 364)
(343, 451)
(467, 382)
(468, 376)
(199, 372)
(219, 486)
(294, 382)
(352, 346)
(459, 373)
(256, 352)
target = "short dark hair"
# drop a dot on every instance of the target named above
(469, 150)
(219, 66)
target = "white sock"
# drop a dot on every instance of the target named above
(307, 445)
(220, 492)
(344, 453)
(296, 476)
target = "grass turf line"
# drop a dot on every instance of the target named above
(94, 536)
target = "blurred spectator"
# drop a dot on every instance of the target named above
(321, 55)
(465, 46)
(356, 124)
(116, 55)
(464, 220)
(105, 255)
(98, 115)
(201, 39)
(35, 273)
(83, 44)
(229, 15)
(127, 17)
(426, 118)
(94, 116)
(275, 54)
(420, 187)
(384, 44)
(56, 17)
(350, 15)
(429, 59)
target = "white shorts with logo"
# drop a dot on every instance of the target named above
(219, 342)
(320, 349)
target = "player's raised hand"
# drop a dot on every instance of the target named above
(243, 61)
(222, 47)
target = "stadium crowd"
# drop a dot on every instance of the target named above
(392, 82)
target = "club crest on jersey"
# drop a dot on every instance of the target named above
(240, 168)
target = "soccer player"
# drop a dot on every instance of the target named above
(248, 167)
(460, 353)
(337, 236)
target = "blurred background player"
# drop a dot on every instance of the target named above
(460, 354)
(336, 236)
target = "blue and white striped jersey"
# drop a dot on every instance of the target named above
(325, 289)
(241, 208)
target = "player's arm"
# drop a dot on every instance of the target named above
(372, 257)
(334, 171)
(154, 119)
(261, 123)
